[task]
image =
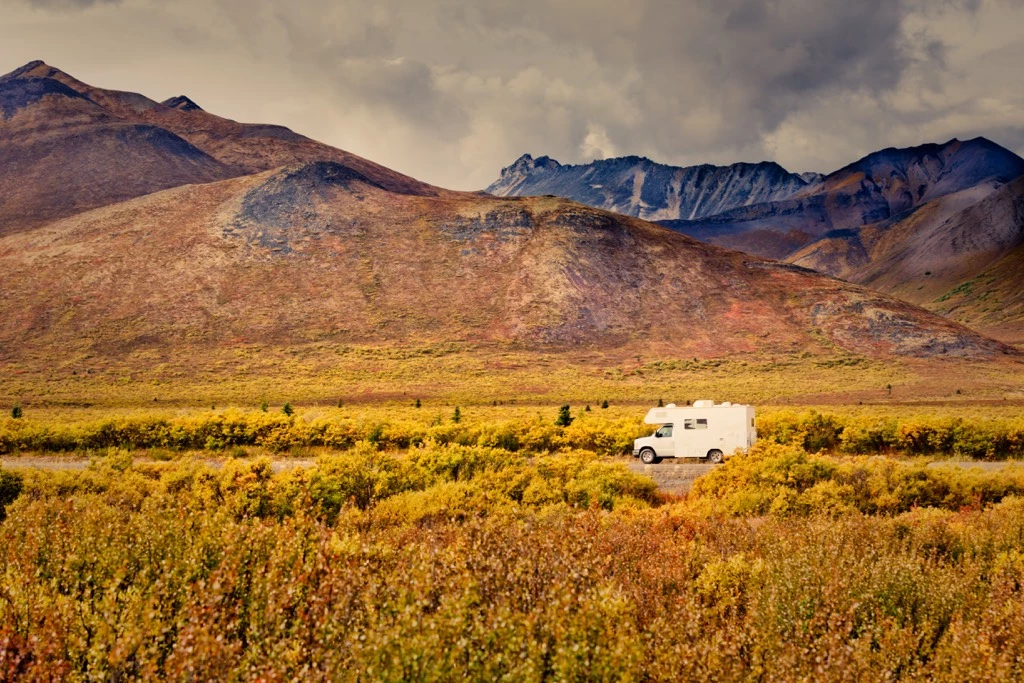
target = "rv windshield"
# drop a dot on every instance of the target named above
(666, 430)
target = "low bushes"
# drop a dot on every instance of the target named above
(786, 480)
(359, 480)
(473, 563)
(279, 432)
(915, 435)
(846, 433)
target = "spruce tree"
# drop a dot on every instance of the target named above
(564, 419)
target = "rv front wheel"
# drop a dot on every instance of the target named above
(648, 457)
(715, 456)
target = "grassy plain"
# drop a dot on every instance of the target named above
(476, 374)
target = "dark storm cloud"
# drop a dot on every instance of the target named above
(450, 91)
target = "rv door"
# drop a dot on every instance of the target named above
(697, 437)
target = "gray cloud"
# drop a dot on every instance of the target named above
(450, 91)
(70, 4)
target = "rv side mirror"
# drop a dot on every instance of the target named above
(657, 435)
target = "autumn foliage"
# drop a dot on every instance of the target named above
(454, 561)
(530, 430)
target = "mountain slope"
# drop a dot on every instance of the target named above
(958, 255)
(877, 188)
(61, 153)
(246, 148)
(343, 251)
(66, 146)
(320, 252)
(636, 186)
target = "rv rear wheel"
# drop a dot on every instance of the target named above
(648, 457)
(715, 456)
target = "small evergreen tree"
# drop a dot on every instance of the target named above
(418, 404)
(564, 419)
(604, 404)
(661, 404)
(264, 406)
(11, 484)
(587, 409)
(341, 403)
(16, 411)
(287, 409)
(457, 415)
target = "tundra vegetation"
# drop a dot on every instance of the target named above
(508, 546)
(449, 561)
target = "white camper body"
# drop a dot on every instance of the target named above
(703, 430)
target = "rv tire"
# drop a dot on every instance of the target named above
(648, 457)
(715, 456)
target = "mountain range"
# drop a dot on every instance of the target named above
(637, 186)
(931, 224)
(129, 225)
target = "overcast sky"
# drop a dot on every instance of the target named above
(449, 91)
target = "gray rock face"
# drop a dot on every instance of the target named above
(637, 186)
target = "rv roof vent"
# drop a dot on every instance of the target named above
(725, 405)
(703, 404)
(671, 405)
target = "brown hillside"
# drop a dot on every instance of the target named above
(245, 148)
(61, 153)
(844, 252)
(321, 252)
(958, 255)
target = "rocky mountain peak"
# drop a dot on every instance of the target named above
(35, 68)
(637, 186)
(181, 103)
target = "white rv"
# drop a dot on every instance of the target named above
(703, 430)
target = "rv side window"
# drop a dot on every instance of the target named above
(702, 424)
(665, 431)
(688, 423)
(699, 423)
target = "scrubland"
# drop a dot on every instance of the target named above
(504, 546)
(452, 561)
